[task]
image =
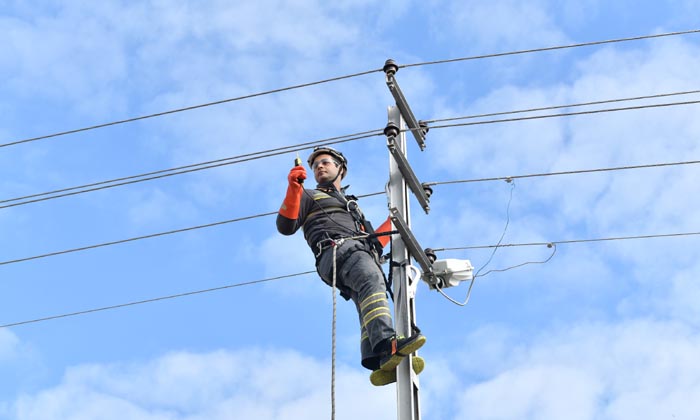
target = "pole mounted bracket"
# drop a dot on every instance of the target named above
(411, 243)
(416, 187)
(419, 131)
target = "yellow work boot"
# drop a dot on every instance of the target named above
(382, 377)
(400, 347)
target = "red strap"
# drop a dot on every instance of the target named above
(384, 227)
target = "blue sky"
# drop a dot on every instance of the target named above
(604, 330)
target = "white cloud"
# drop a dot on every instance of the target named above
(263, 384)
(678, 298)
(8, 345)
(542, 392)
(286, 254)
(503, 23)
(635, 369)
(154, 206)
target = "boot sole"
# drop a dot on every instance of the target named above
(381, 377)
(396, 359)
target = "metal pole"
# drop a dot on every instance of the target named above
(408, 407)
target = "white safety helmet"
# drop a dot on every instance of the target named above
(320, 150)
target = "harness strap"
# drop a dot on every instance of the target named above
(324, 211)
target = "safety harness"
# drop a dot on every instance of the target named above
(364, 229)
(362, 225)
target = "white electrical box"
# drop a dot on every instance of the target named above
(451, 272)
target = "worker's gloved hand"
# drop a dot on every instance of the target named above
(297, 175)
(292, 201)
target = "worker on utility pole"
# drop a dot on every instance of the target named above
(347, 252)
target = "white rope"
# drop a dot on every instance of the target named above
(333, 340)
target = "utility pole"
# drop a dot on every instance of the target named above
(401, 178)
(437, 274)
(407, 387)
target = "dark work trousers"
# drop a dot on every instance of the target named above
(359, 277)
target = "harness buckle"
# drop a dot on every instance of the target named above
(351, 206)
(324, 244)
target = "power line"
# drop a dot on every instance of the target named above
(164, 173)
(149, 176)
(504, 178)
(571, 241)
(138, 238)
(153, 235)
(565, 114)
(122, 305)
(560, 47)
(188, 108)
(333, 79)
(581, 171)
(549, 108)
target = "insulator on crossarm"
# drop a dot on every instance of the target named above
(390, 67)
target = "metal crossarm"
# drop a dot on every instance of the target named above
(411, 243)
(407, 172)
(418, 131)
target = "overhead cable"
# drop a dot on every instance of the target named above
(333, 79)
(188, 108)
(564, 114)
(503, 178)
(569, 241)
(549, 108)
(140, 302)
(153, 235)
(549, 244)
(164, 173)
(101, 185)
(138, 238)
(559, 47)
(581, 171)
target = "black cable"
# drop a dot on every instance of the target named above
(566, 114)
(303, 85)
(549, 108)
(153, 235)
(188, 108)
(506, 178)
(581, 171)
(560, 47)
(549, 244)
(138, 238)
(65, 192)
(179, 295)
(570, 241)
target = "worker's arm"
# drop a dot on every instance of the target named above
(287, 218)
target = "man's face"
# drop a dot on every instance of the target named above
(325, 168)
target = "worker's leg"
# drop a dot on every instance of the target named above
(363, 277)
(359, 277)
